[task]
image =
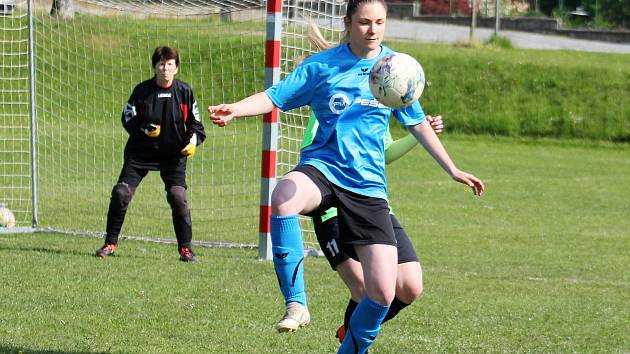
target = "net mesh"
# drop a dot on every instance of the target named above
(85, 69)
(15, 146)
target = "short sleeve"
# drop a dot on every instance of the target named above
(411, 115)
(296, 89)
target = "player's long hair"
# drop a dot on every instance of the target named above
(317, 40)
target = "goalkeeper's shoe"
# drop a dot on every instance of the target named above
(187, 255)
(341, 333)
(106, 251)
(296, 316)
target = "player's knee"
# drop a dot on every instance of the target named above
(280, 202)
(287, 198)
(383, 296)
(357, 291)
(409, 283)
(122, 193)
(176, 197)
(410, 292)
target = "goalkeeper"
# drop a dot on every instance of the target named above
(409, 276)
(164, 128)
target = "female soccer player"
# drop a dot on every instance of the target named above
(164, 128)
(343, 167)
(409, 277)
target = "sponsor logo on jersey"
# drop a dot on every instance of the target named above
(338, 103)
(164, 95)
(365, 102)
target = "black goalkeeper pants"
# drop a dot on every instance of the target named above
(175, 186)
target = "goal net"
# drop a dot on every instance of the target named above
(65, 81)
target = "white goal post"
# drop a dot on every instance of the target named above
(64, 81)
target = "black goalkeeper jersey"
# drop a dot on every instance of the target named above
(175, 110)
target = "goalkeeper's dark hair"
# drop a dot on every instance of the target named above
(164, 53)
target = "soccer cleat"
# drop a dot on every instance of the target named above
(187, 255)
(296, 316)
(341, 333)
(106, 251)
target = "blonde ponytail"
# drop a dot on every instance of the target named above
(317, 39)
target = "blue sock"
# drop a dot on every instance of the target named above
(365, 324)
(288, 257)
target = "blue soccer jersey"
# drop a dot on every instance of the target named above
(348, 146)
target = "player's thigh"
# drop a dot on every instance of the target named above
(351, 272)
(174, 177)
(296, 193)
(379, 262)
(131, 175)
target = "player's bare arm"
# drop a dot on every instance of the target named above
(256, 104)
(429, 140)
(402, 146)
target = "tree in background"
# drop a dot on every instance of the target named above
(613, 12)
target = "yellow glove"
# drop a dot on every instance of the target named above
(189, 150)
(152, 130)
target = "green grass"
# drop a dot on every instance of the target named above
(537, 265)
(499, 42)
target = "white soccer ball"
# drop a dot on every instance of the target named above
(7, 219)
(397, 80)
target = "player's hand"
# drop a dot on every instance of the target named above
(189, 150)
(152, 130)
(436, 123)
(222, 114)
(471, 181)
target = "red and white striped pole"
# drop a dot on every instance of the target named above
(270, 128)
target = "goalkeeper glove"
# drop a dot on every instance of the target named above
(152, 130)
(189, 150)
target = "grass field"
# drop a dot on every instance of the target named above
(537, 265)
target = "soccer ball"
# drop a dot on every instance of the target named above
(7, 219)
(397, 80)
